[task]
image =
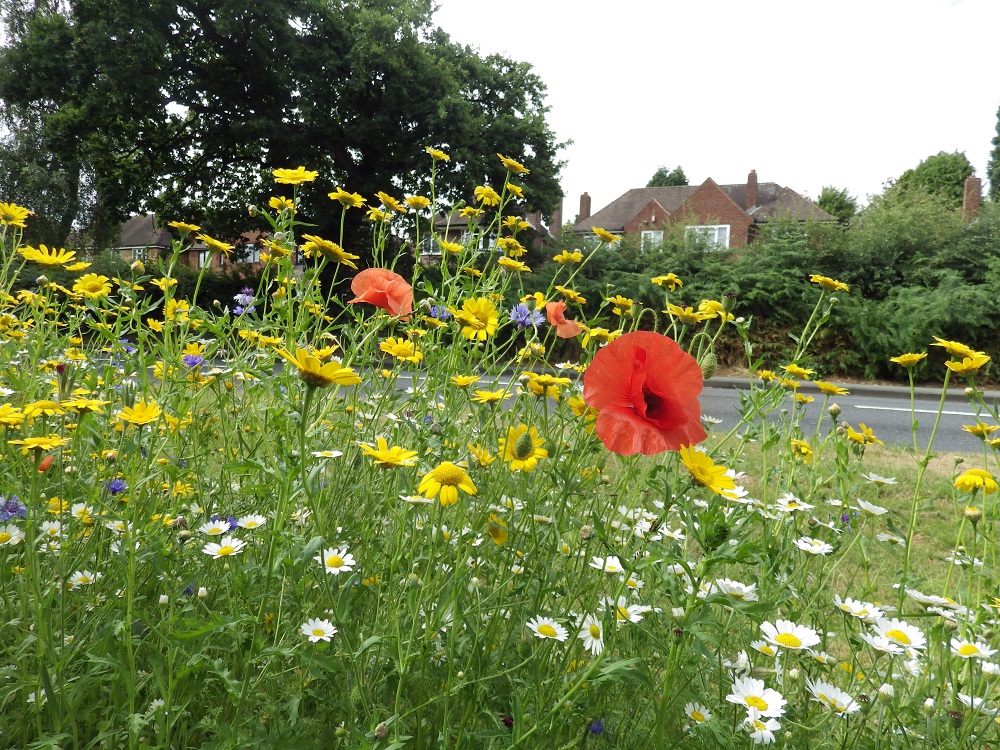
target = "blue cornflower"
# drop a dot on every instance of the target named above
(440, 313)
(597, 727)
(192, 360)
(524, 317)
(12, 508)
(127, 346)
(115, 486)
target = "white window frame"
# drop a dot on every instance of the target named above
(203, 257)
(651, 238)
(716, 234)
(249, 252)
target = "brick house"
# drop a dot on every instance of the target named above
(727, 215)
(142, 239)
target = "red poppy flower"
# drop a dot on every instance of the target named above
(384, 289)
(645, 388)
(555, 312)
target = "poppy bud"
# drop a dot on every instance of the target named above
(709, 365)
(728, 302)
(44, 464)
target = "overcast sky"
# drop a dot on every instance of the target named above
(807, 92)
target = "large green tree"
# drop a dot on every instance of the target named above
(185, 106)
(664, 177)
(838, 203)
(942, 175)
(993, 168)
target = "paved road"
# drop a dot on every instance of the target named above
(885, 409)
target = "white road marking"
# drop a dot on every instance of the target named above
(919, 411)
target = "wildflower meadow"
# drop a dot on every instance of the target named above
(392, 519)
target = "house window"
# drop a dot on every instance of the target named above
(715, 235)
(248, 252)
(652, 239)
(203, 256)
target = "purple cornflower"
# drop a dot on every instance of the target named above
(115, 486)
(244, 301)
(127, 346)
(192, 360)
(524, 317)
(597, 727)
(12, 508)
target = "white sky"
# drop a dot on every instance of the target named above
(809, 93)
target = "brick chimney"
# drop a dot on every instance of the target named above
(584, 208)
(555, 220)
(972, 198)
(751, 199)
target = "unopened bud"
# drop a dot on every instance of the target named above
(184, 535)
(381, 731)
(793, 673)
(43, 279)
(886, 693)
(252, 210)
(164, 600)
(929, 706)
(974, 514)
(709, 365)
(138, 267)
(970, 392)
(834, 411)
(586, 532)
(279, 237)
(728, 302)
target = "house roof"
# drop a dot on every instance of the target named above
(141, 231)
(773, 201)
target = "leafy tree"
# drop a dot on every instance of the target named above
(993, 168)
(838, 203)
(942, 175)
(667, 178)
(185, 106)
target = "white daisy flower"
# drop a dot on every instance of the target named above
(251, 521)
(879, 480)
(870, 509)
(611, 564)
(327, 454)
(764, 647)
(625, 611)
(862, 610)
(336, 560)
(697, 713)
(971, 649)
(976, 704)
(51, 529)
(833, 697)
(788, 503)
(891, 538)
(813, 546)
(82, 578)
(318, 630)
(900, 632)
(228, 545)
(761, 729)
(751, 693)
(546, 627)
(737, 590)
(788, 634)
(81, 512)
(882, 643)
(592, 633)
(932, 600)
(214, 528)
(10, 535)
